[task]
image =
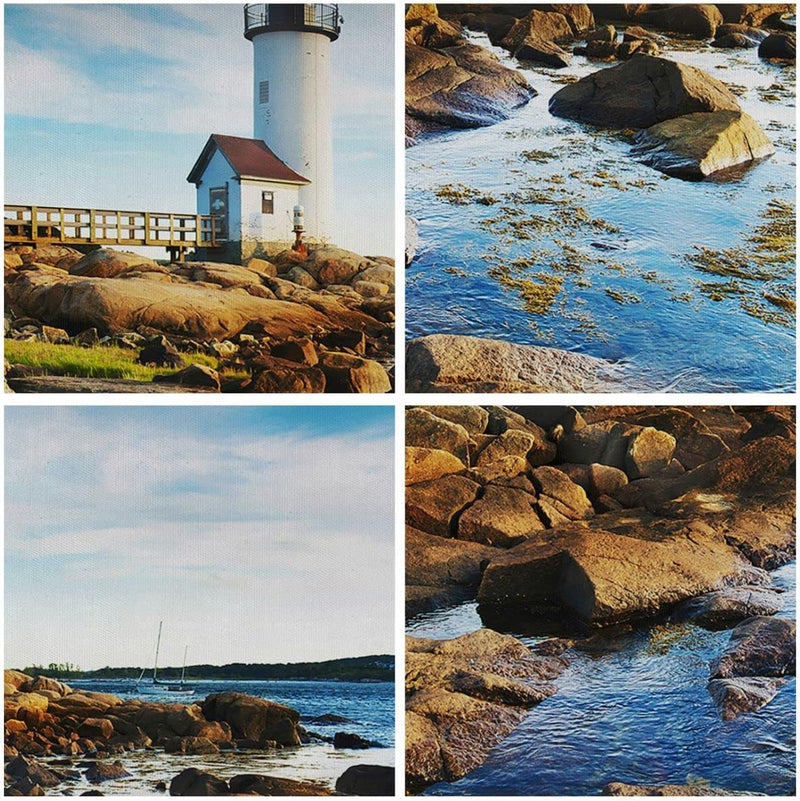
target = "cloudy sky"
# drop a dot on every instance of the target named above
(109, 106)
(256, 534)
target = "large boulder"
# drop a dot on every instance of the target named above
(461, 87)
(112, 263)
(725, 608)
(116, 306)
(753, 13)
(502, 517)
(373, 780)
(474, 419)
(698, 21)
(428, 464)
(332, 265)
(450, 363)
(541, 52)
(781, 46)
(254, 718)
(603, 578)
(256, 784)
(194, 782)
(640, 93)
(434, 506)
(427, 430)
(541, 26)
(697, 145)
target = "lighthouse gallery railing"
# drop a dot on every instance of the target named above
(262, 17)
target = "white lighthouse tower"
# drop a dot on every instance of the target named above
(292, 96)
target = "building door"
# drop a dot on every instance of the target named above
(218, 204)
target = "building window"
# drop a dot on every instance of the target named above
(263, 92)
(267, 203)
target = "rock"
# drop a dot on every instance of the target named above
(195, 375)
(619, 788)
(448, 731)
(725, 608)
(424, 27)
(22, 768)
(194, 782)
(105, 263)
(374, 780)
(502, 518)
(603, 578)
(301, 351)
(649, 451)
(753, 13)
(20, 681)
(514, 442)
(427, 464)
(190, 745)
(160, 352)
(330, 265)
(461, 87)
(759, 646)
(495, 25)
(560, 496)
(253, 718)
(735, 696)
(96, 729)
(697, 145)
(254, 784)
(346, 373)
(735, 41)
(449, 363)
(261, 267)
(426, 429)
(698, 21)
(278, 375)
(782, 46)
(55, 336)
(196, 311)
(343, 739)
(438, 569)
(542, 26)
(605, 33)
(640, 93)
(412, 239)
(541, 52)
(473, 418)
(382, 272)
(230, 275)
(597, 480)
(104, 771)
(601, 50)
(297, 275)
(433, 506)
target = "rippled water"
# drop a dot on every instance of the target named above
(629, 293)
(638, 711)
(368, 706)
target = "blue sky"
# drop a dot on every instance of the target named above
(108, 106)
(256, 534)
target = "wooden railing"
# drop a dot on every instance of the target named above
(40, 225)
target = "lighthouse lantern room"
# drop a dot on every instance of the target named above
(253, 185)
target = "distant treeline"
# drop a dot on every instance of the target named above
(359, 668)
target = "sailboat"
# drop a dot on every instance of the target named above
(156, 686)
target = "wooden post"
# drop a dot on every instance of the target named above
(34, 224)
(61, 224)
(147, 227)
(92, 229)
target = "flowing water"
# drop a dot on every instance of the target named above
(367, 706)
(545, 231)
(637, 711)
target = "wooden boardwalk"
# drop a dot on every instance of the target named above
(46, 225)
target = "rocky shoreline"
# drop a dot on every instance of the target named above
(56, 737)
(321, 323)
(566, 521)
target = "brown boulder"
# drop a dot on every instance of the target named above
(194, 782)
(604, 578)
(428, 464)
(640, 93)
(346, 373)
(105, 263)
(473, 418)
(373, 780)
(432, 506)
(738, 695)
(425, 429)
(256, 784)
(759, 646)
(698, 21)
(543, 26)
(253, 718)
(649, 451)
(753, 13)
(501, 517)
(542, 52)
(560, 499)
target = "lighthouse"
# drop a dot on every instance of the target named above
(292, 96)
(268, 192)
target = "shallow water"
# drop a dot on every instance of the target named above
(637, 712)
(368, 706)
(565, 208)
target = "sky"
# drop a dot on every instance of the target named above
(256, 534)
(109, 106)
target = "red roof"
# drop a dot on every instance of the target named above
(251, 158)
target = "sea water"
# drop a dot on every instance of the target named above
(636, 711)
(367, 706)
(542, 199)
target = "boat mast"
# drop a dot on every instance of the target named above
(158, 645)
(183, 669)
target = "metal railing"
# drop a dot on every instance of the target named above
(263, 17)
(40, 225)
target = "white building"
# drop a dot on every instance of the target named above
(251, 192)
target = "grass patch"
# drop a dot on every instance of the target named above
(102, 361)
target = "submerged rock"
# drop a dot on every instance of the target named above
(640, 93)
(697, 145)
(739, 695)
(725, 608)
(620, 788)
(760, 646)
